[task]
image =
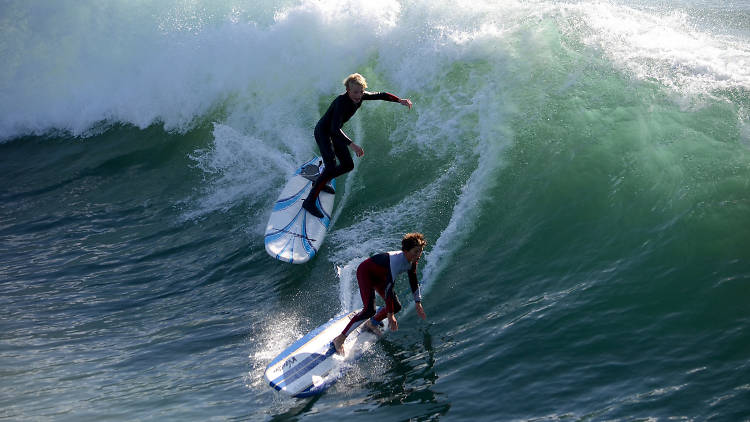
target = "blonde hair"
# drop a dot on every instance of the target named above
(355, 78)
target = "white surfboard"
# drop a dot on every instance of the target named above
(292, 234)
(310, 365)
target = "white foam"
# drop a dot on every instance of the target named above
(236, 165)
(275, 335)
(666, 46)
(494, 138)
(72, 67)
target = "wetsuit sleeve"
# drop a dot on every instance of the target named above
(384, 96)
(414, 283)
(337, 122)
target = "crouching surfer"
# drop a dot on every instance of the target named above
(377, 274)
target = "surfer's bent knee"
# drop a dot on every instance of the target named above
(368, 312)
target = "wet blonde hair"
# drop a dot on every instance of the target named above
(355, 78)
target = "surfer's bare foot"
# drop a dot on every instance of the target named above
(338, 344)
(373, 328)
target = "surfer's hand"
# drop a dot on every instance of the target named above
(420, 310)
(392, 323)
(357, 149)
(406, 102)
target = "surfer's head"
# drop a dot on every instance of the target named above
(412, 244)
(355, 86)
(355, 79)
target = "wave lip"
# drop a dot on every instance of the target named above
(667, 46)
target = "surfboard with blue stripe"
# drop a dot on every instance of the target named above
(310, 365)
(292, 234)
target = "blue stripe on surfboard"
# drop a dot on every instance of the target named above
(285, 231)
(304, 367)
(301, 369)
(285, 203)
(280, 233)
(302, 341)
(289, 242)
(306, 243)
(287, 251)
(313, 389)
(326, 217)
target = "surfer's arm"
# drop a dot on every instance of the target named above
(414, 283)
(390, 297)
(340, 136)
(416, 290)
(386, 96)
(357, 149)
(392, 323)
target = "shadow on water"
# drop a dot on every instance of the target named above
(303, 407)
(410, 380)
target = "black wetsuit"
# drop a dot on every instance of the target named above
(333, 142)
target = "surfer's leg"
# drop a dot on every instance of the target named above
(346, 164)
(321, 183)
(325, 144)
(367, 292)
(333, 170)
(364, 314)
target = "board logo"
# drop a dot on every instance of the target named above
(289, 362)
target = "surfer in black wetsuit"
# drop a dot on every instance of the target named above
(333, 142)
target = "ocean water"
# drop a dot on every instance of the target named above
(581, 170)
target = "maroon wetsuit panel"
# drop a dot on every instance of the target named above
(374, 275)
